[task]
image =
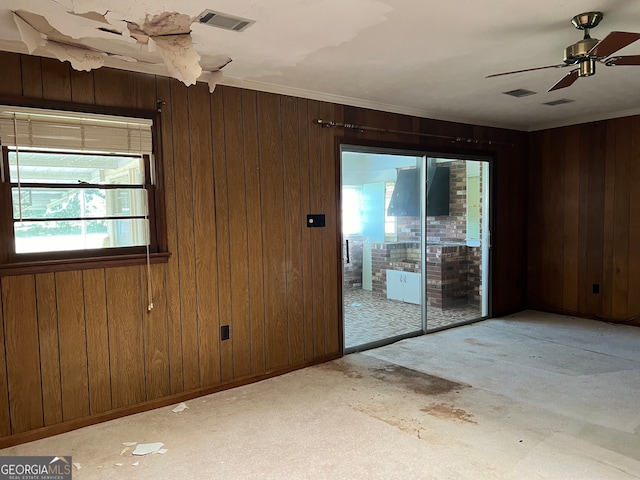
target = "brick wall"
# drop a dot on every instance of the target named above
(452, 228)
(403, 256)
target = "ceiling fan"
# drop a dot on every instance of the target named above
(585, 53)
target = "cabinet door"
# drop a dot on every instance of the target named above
(412, 287)
(395, 285)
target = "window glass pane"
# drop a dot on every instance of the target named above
(390, 223)
(42, 202)
(351, 210)
(79, 235)
(63, 167)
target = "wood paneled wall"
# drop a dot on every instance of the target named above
(241, 171)
(584, 220)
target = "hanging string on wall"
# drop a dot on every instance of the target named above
(148, 225)
(15, 133)
(362, 129)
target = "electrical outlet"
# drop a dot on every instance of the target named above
(596, 288)
(224, 332)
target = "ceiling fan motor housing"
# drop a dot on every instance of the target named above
(579, 51)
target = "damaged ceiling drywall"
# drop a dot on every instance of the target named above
(85, 39)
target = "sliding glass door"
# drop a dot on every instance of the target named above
(416, 240)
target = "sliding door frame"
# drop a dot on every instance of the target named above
(382, 147)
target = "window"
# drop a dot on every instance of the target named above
(390, 223)
(76, 185)
(351, 210)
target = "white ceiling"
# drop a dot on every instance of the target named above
(419, 57)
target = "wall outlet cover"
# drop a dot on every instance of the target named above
(315, 220)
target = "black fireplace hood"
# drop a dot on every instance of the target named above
(405, 199)
(437, 189)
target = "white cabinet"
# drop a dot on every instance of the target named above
(404, 286)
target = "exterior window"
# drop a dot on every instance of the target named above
(75, 185)
(390, 223)
(351, 210)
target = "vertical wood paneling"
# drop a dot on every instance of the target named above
(609, 222)
(82, 90)
(254, 233)
(238, 246)
(273, 231)
(125, 336)
(184, 226)
(73, 345)
(571, 227)
(535, 241)
(5, 420)
(11, 78)
(22, 353)
(553, 190)
(143, 91)
(293, 228)
(112, 88)
(306, 250)
(633, 299)
(315, 206)
(172, 292)
(596, 133)
(156, 348)
(57, 85)
(222, 231)
(330, 240)
(49, 348)
(98, 367)
(621, 219)
(32, 77)
(583, 281)
(204, 221)
(596, 196)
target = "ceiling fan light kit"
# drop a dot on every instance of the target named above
(587, 52)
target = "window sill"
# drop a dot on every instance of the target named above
(65, 265)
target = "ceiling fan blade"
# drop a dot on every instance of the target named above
(566, 81)
(526, 70)
(612, 43)
(625, 60)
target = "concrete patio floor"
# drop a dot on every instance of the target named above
(530, 396)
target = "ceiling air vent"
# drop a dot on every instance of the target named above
(561, 101)
(520, 92)
(224, 21)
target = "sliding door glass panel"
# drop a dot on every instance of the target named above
(457, 241)
(382, 210)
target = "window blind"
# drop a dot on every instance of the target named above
(48, 129)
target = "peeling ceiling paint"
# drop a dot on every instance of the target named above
(73, 36)
(30, 36)
(167, 23)
(80, 58)
(179, 56)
